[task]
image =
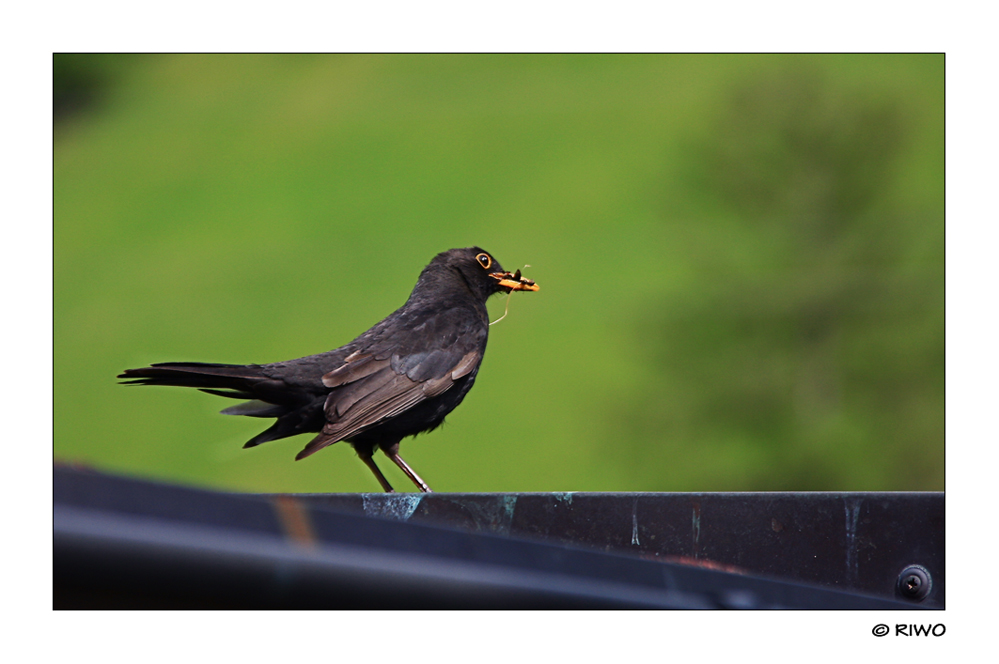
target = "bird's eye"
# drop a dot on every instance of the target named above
(484, 260)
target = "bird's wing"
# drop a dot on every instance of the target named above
(396, 367)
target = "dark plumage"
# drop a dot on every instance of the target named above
(398, 379)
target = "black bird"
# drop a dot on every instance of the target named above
(400, 378)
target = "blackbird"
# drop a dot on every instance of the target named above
(398, 379)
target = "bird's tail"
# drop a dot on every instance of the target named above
(266, 397)
(237, 381)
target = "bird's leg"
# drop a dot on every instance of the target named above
(392, 452)
(370, 463)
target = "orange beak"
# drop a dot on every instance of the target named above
(514, 282)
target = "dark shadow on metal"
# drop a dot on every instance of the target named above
(124, 543)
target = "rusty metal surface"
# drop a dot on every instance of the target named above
(850, 541)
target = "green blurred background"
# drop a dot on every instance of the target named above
(741, 260)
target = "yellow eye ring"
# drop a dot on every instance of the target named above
(484, 260)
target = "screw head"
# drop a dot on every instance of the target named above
(914, 583)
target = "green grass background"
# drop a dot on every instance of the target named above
(740, 260)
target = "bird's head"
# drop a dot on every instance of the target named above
(483, 273)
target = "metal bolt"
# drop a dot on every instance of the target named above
(914, 583)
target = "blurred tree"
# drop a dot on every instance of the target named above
(810, 355)
(80, 80)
